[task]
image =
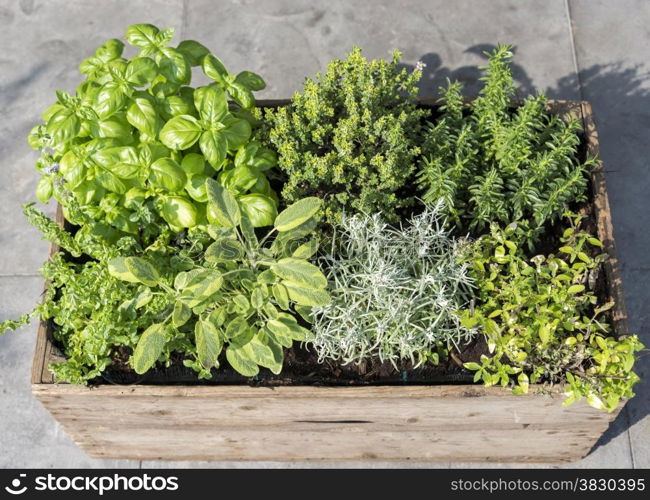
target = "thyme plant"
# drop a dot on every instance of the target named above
(395, 291)
(351, 137)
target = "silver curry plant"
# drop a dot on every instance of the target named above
(395, 290)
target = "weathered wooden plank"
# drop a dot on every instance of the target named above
(43, 353)
(322, 423)
(605, 227)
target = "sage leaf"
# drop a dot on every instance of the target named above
(181, 314)
(117, 268)
(300, 272)
(226, 209)
(241, 362)
(208, 343)
(149, 348)
(298, 213)
(142, 270)
(307, 296)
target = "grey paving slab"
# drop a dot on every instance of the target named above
(638, 409)
(43, 43)
(612, 53)
(29, 436)
(288, 40)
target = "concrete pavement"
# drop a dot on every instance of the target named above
(572, 49)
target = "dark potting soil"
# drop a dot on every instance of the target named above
(301, 367)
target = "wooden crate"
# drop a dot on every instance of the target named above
(418, 423)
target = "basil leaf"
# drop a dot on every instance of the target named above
(179, 212)
(225, 207)
(250, 80)
(298, 213)
(143, 36)
(241, 95)
(213, 106)
(214, 146)
(174, 105)
(123, 162)
(193, 164)
(214, 69)
(63, 126)
(143, 116)
(109, 180)
(174, 66)
(237, 132)
(72, 169)
(109, 50)
(193, 51)
(109, 100)
(196, 188)
(44, 189)
(140, 71)
(114, 127)
(181, 132)
(167, 174)
(260, 209)
(149, 348)
(240, 179)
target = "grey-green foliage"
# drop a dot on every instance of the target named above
(395, 291)
(491, 162)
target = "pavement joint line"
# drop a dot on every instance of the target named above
(629, 437)
(184, 10)
(574, 52)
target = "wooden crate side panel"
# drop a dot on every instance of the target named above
(43, 353)
(605, 226)
(464, 423)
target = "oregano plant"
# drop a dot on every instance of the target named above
(544, 322)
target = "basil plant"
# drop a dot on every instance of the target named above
(245, 295)
(135, 144)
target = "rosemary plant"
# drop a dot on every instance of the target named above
(491, 162)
